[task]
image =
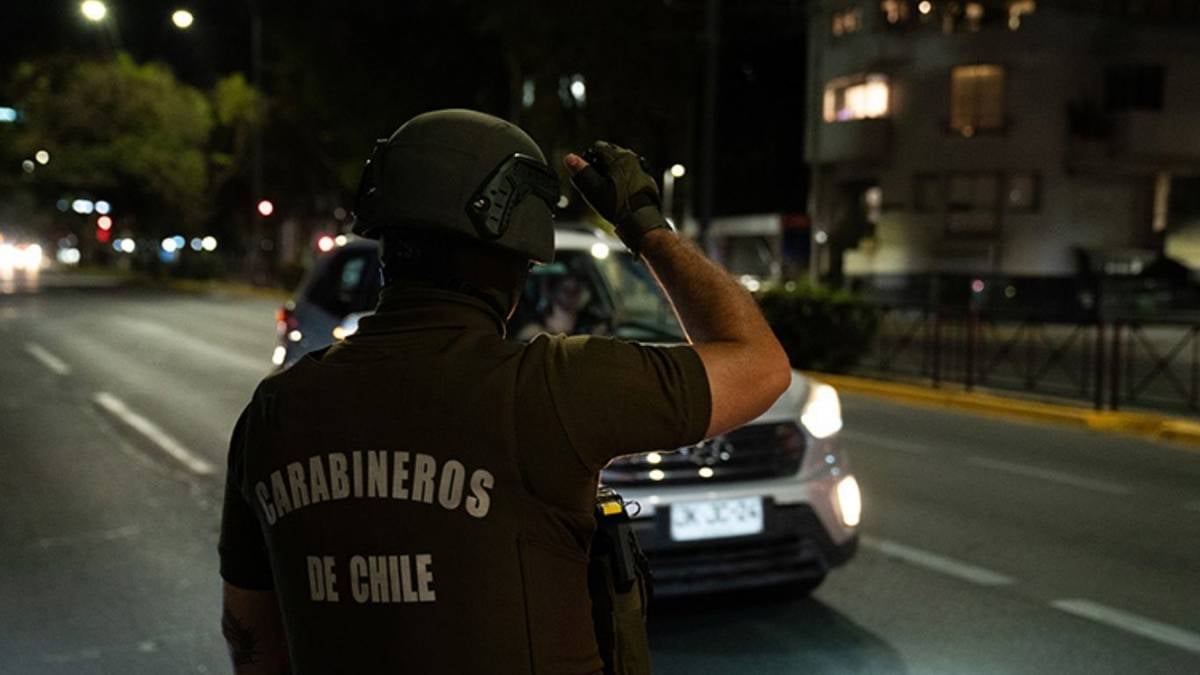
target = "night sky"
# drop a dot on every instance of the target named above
(343, 73)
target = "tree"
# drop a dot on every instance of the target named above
(133, 135)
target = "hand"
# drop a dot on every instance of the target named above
(614, 183)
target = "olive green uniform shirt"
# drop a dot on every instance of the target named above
(421, 495)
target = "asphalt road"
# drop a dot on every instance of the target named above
(989, 546)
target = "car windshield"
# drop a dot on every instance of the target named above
(747, 255)
(600, 292)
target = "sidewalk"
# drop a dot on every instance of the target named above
(1147, 425)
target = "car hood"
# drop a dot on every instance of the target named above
(787, 408)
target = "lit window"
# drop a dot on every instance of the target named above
(976, 98)
(856, 98)
(846, 21)
(1018, 9)
(974, 15)
(894, 11)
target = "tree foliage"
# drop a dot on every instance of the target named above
(820, 328)
(132, 134)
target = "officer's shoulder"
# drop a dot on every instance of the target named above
(276, 379)
(578, 347)
(283, 378)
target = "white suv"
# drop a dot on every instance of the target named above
(772, 502)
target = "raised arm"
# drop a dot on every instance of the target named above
(746, 366)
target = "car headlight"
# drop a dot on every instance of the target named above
(822, 412)
(849, 501)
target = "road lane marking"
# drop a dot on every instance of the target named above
(47, 359)
(1131, 623)
(204, 348)
(1061, 477)
(937, 563)
(152, 431)
(883, 442)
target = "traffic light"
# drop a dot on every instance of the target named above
(266, 208)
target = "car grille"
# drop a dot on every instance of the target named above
(735, 564)
(756, 451)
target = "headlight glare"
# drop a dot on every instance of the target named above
(822, 413)
(849, 501)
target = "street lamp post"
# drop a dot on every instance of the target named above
(183, 19)
(668, 182)
(256, 76)
(256, 175)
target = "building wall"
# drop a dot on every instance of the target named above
(1097, 194)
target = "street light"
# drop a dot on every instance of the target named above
(668, 184)
(182, 19)
(93, 10)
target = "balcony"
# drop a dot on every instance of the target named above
(852, 141)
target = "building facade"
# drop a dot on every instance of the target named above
(1002, 137)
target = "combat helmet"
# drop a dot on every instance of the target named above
(460, 174)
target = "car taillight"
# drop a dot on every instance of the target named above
(285, 321)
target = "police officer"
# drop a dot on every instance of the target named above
(419, 498)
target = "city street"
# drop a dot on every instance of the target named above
(989, 546)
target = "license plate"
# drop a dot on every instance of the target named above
(716, 518)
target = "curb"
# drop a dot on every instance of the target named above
(1145, 425)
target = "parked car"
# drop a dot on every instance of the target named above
(772, 502)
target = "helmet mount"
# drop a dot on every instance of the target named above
(516, 178)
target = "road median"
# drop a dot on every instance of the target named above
(1178, 430)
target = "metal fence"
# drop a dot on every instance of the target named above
(1111, 363)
